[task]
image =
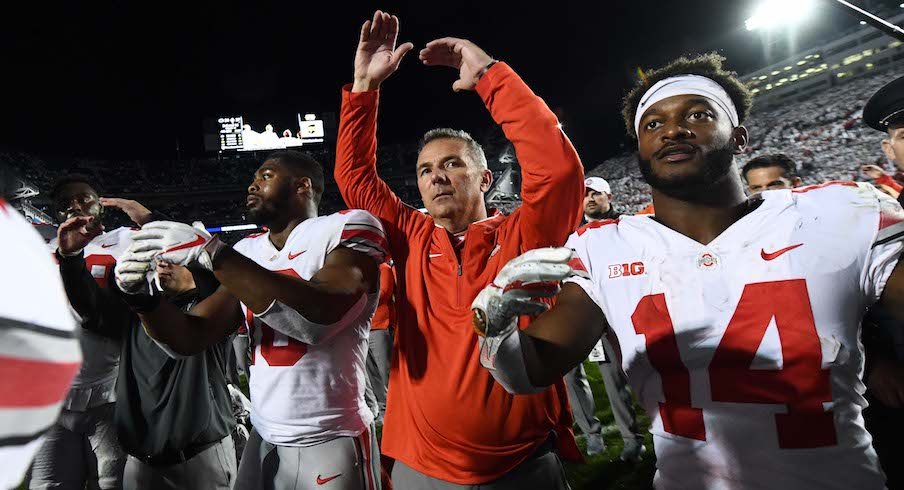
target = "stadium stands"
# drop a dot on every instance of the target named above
(823, 133)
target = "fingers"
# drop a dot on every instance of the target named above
(75, 223)
(147, 234)
(376, 25)
(400, 53)
(393, 34)
(113, 202)
(365, 32)
(160, 225)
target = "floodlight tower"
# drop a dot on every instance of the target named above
(775, 13)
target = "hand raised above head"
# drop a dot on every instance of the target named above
(76, 233)
(377, 56)
(461, 54)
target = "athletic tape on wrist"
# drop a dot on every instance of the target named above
(503, 357)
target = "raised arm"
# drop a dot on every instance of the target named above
(377, 58)
(552, 173)
(102, 310)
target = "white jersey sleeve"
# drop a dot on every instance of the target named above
(582, 261)
(886, 246)
(39, 352)
(364, 233)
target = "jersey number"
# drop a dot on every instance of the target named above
(277, 348)
(802, 385)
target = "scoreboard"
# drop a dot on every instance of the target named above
(244, 133)
(230, 133)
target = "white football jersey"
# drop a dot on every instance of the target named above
(746, 351)
(95, 383)
(39, 353)
(302, 394)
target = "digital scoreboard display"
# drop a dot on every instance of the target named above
(230, 133)
(244, 133)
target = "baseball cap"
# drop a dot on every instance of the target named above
(886, 106)
(598, 184)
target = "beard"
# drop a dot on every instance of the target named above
(595, 214)
(716, 165)
(263, 214)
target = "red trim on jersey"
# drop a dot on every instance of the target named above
(4, 206)
(597, 224)
(255, 235)
(801, 190)
(33, 383)
(576, 264)
(886, 219)
(371, 236)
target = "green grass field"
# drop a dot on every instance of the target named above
(605, 471)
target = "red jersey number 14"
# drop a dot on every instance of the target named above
(802, 385)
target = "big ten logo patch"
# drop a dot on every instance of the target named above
(626, 270)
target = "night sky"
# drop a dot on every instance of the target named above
(134, 79)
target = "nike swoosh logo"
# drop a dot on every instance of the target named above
(200, 241)
(292, 256)
(433, 256)
(107, 246)
(774, 255)
(321, 481)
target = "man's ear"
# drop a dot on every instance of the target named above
(795, 182)
(486, 180)
(740, 138)
(303, 185)
(888, 150)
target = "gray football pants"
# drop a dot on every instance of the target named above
(379, 353)
(81, 451)
(581, 398)
(543, 471)
(619, 395)
(212, 469)
(346, 463)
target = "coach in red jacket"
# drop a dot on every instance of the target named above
(448, 423)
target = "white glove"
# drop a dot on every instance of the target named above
(132, 269)
(178, 243)
(532, 275)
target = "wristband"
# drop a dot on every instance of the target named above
(485, 69)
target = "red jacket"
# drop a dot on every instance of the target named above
(446, 417)
(384, 317)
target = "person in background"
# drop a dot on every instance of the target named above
(770, 172)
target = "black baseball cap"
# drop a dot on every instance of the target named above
(885, 106)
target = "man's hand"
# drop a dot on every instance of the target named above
(178, 243)
(377, 56)
(886, 382)
(872, 171)
(132, 270)
(76, 233)
(139, 214)
(461, 54)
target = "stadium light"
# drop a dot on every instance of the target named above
(775, 13)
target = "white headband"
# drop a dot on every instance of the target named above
(686, 85)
